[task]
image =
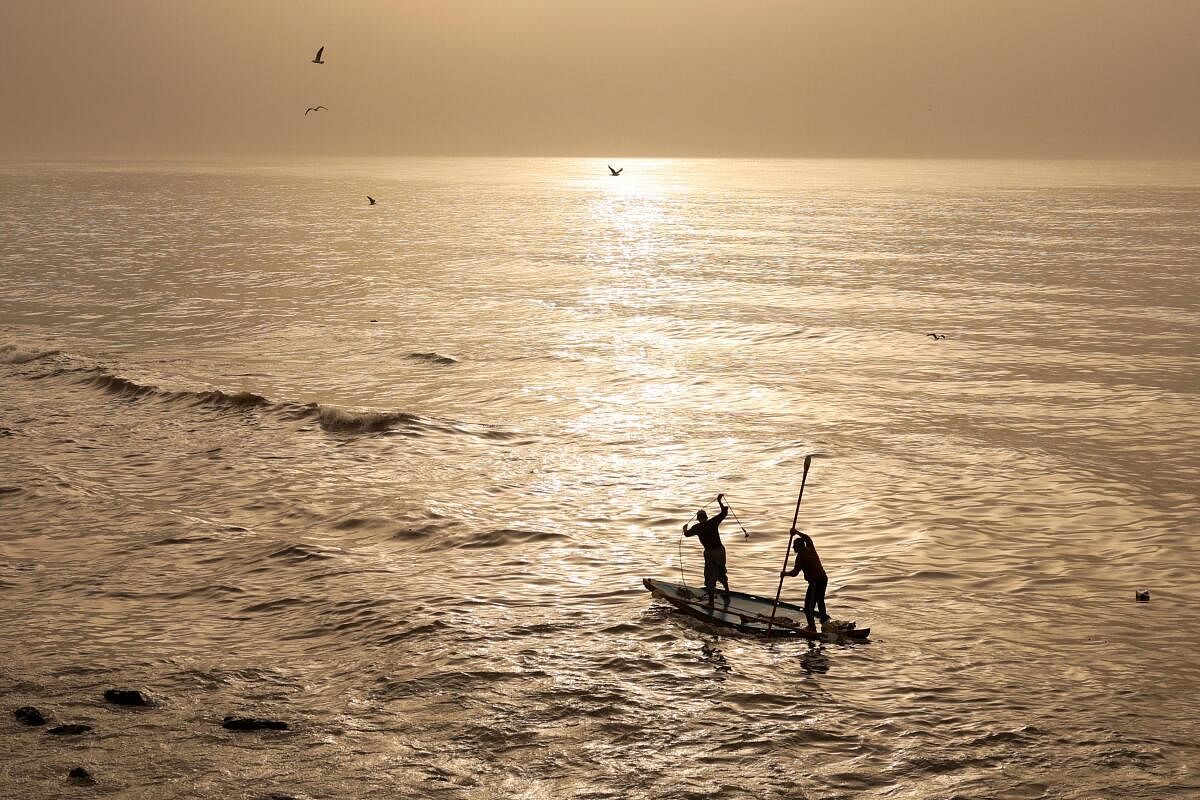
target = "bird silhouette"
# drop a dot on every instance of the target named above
(936, 336)
(372, 199)
(317, 57)
(315, 108)
(615, 172)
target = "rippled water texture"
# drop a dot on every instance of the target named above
(393, 474)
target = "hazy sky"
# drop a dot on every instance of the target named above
(563, 77)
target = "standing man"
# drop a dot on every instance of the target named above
(808, 562)
(714, 551)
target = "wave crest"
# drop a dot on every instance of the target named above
(213, 398)
(331, 418)
(345, 420)
(12, 354)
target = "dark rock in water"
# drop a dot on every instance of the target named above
(1142, 595)
(434, 358)
(81, 777)
(28, 715)
(126, 697)
(253, 724)
(69, 730)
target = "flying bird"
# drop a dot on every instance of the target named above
(372, 199)
(936, 336)
(317, 58)
(315, 108)
(615, 172)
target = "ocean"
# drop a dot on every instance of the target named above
(393, 474)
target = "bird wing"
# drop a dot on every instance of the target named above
(372, 199)
(320, 50)
(622, 169)
(320, 108)
(306, 111)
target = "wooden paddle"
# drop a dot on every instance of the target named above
(788, 552)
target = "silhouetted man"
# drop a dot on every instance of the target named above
(714, 551)
(808, 562)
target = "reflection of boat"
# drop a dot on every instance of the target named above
(750, 613)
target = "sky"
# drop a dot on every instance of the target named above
(801, 78)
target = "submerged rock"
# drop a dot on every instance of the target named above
(1142, 595)
(28, 715)
(434, 358)
(81, 777)
(69, 730)
(253, 724)
(126, 697)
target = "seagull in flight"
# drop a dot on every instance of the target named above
(615, 172)
(936, 336)
(317, 57)
(372, 199)
(315, 108)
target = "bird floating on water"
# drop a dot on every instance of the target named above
(315, 108)
(615, 172)
(317, 57)
(372, 199)
(936, 336)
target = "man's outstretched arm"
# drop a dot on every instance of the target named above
(724, 509)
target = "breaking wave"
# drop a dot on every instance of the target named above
(347, 420)
(338, 419)
(330, 418)
(213, 398)
(11, 354)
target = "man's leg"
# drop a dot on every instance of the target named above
(710, 577)
(810, 597)
(821, 586)
(715, 558)
(722, 572)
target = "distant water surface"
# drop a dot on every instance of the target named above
(394, 473)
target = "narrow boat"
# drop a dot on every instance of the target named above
(749, 613)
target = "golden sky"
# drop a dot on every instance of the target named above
(149, 78)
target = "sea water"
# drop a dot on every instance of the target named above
(394, 473)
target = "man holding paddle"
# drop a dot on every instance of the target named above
(714, 551)
(808, 562)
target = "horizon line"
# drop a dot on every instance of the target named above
(213, 157)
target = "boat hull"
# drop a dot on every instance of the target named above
(749, 613)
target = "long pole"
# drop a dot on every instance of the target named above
(786, 553)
